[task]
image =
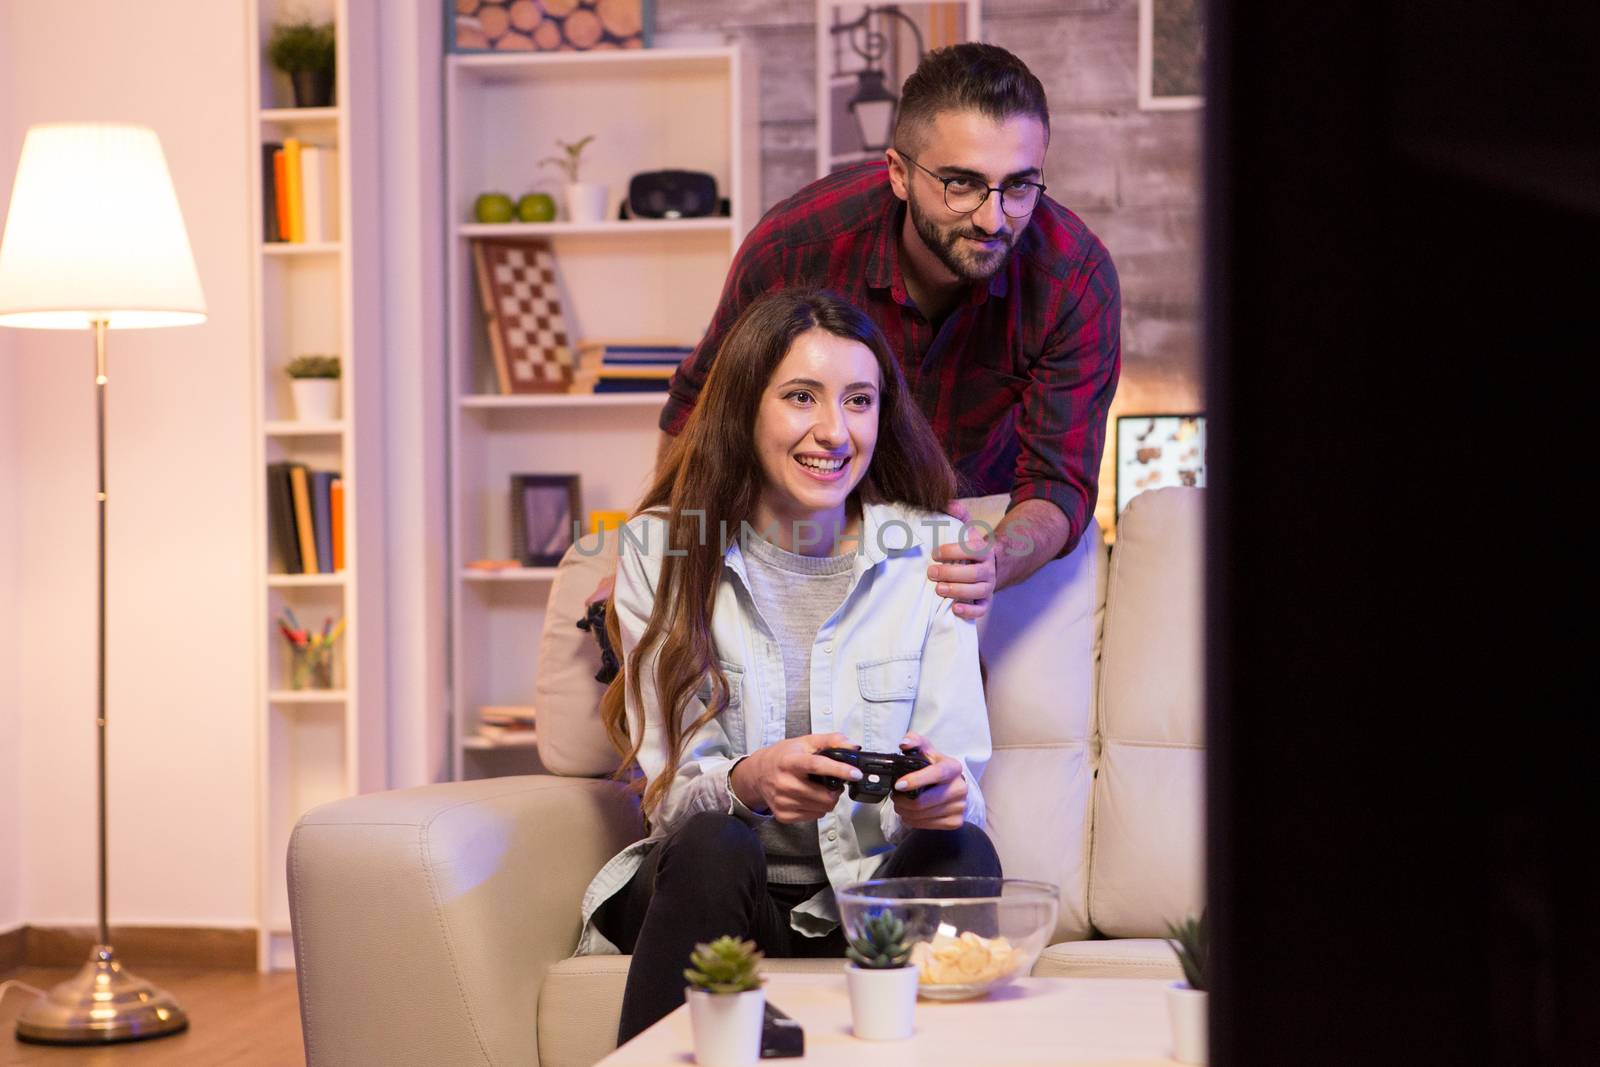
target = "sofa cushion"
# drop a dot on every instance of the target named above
(1038, 645)
(1148, 844)
(1133, 957)
(571, 739)
(581, 1003)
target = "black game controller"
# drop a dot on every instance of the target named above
(879, 771)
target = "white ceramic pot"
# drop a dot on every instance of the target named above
(586, 202)
(883, 1001)
(727, 1027)
(1186, 1010)
(315, 399)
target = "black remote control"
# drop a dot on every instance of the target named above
(781, 1036)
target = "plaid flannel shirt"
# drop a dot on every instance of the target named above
(1018, 378)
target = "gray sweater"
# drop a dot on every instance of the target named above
(795, 595)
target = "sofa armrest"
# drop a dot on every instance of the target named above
(425, 919)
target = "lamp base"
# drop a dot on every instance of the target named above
(101, 1005)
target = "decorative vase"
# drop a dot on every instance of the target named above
(727, 1027)
(1186, 1010)
(586, 202)
(312, 88)
(315, 399)
(883, 1001)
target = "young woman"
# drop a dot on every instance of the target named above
(772, 600)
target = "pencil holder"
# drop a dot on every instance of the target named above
(311, 668)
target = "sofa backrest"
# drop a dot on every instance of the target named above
(1149, 832)
(1038, 643)
(1042, 648)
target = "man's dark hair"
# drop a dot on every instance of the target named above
(969, 77)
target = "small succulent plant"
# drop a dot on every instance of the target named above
(882, 943)
(572, 159)
(726, 965)
(1188, 941)
(313, 367)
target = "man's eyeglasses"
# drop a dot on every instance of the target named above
(965, 195)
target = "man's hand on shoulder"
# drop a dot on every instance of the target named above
(964, 569)
(970, 569)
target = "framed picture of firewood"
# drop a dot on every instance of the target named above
(547, 25)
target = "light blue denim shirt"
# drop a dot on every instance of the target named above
(892, 658)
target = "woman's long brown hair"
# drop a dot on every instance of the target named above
(711, 469)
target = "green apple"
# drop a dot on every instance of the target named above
(492, 207)
(537, 207)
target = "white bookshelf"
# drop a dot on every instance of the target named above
(653, 109)
(318, 745)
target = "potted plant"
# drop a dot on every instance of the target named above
(304, 50)
(725, 1003)
(314, 381)
(586, 201)
(882, 982)
(1186, 1000)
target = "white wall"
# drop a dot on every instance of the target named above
(181, 655)
(11, 911)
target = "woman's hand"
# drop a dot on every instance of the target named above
(775, 777)
(943, 802)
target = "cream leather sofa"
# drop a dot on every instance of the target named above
(434, 925)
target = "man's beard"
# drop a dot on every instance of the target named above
(967, 263)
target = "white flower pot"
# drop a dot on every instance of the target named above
(1186, 1010)
(883, 1001)
(315, 399)
(727, 1027)
(586, 202)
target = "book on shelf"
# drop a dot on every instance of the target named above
(300, 191)
(301, 487)
(291, 189)
(627, 366)
(508, 715)
(280, 514)
(280, 195)
(322, 519)
(270, 151)
(319, 187)
(336, 506)
(305, 514)
(500, 737)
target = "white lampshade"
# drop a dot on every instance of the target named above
(94, 231)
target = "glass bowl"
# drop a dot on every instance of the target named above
(967, 935)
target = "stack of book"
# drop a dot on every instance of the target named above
(306, 512)
(626, 367)
(507, 724)
(300, 192)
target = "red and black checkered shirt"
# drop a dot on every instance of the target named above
(1018, 378)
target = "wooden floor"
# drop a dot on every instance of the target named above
(236, 1019)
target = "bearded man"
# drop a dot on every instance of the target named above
(1004, 310)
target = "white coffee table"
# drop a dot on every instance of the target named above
(1112, 1022)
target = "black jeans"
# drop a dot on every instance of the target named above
(709, 878)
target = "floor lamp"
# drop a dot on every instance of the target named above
(94, 240)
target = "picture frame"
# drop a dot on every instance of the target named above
(544, 508)
(1158, 451)
(547, 25)
(1171, 55)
